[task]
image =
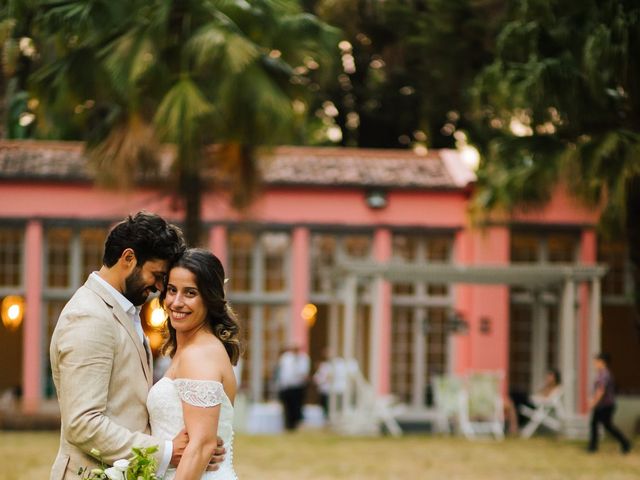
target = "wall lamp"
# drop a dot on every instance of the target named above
(376, 199)
(12, 311)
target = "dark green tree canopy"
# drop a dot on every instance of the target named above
(408, 67)
(561, 103)
(561, 99)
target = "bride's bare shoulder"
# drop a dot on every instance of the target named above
(204, 360)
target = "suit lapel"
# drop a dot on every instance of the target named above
(121, 317)
(149, 354)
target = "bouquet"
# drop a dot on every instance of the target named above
(141, 465)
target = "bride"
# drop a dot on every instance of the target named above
(199, 387)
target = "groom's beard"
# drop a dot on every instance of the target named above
(135, 290)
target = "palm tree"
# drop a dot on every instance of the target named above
(130, 76)
(561, 101)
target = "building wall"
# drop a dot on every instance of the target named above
(273, 315)
(285, 206)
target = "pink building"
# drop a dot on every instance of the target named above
(379, 241)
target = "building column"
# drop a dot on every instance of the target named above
(380, 331)
(334, 348)
(218, 244)
(489, 319)
(539, 346)
(32, 348)
(568, 345)
(463, 294)
(588, 256)
(300, 267)
(349, 335)
(256, 356)
(419, 359)
(595, 327)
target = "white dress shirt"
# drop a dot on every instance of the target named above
(133, 313)
(293, 370)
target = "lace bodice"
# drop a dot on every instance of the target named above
(165, 415)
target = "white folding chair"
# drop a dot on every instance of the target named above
(547, 411)
(482, 409)
(448, 400)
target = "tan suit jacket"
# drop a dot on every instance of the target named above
(102, 375)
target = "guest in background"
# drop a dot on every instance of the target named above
(603, 404)
(552, 382)
(329, 377)
(291, 379)
(323, 379)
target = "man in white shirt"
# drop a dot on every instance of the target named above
(292, 377)
(100, 360)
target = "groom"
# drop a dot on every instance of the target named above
(100, 360)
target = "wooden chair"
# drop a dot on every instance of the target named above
(547, 411)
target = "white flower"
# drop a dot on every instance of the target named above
(121, 465)
(113, 473)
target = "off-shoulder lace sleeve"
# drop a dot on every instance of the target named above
(200, 393)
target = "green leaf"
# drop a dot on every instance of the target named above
(181, 111)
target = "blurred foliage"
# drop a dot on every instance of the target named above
(127, 76)
(408, 67)
(561, 100)
(561, 103)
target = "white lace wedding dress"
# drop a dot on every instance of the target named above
(165, 415)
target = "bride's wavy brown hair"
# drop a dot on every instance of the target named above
(222, 322)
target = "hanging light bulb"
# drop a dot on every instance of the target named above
(156, 316)
(12, 311)
(308, 313)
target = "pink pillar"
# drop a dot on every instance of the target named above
(300, 284)
(218, 243)
(32, 332)
(588, 255)
(382, 252)
(489, 322)
(463, 255)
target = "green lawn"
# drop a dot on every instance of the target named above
(319, 456)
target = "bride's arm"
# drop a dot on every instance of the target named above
(201, 395)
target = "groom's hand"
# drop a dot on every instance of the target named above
(179, 444)
(218, 456)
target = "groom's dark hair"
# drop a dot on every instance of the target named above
(150, 237)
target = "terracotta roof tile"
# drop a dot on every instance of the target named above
(65, 161)
(43, 160)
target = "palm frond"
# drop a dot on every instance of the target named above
(303, 35)
(255, 110)
(180, 112)
(127, 59)
(217, 41)
(130, 149)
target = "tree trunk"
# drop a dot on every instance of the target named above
(633, 240)
(191, 192)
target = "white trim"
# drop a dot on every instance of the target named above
(512, 274)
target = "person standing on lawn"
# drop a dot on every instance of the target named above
(603, 405)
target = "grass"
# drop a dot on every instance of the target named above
(322, 456)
